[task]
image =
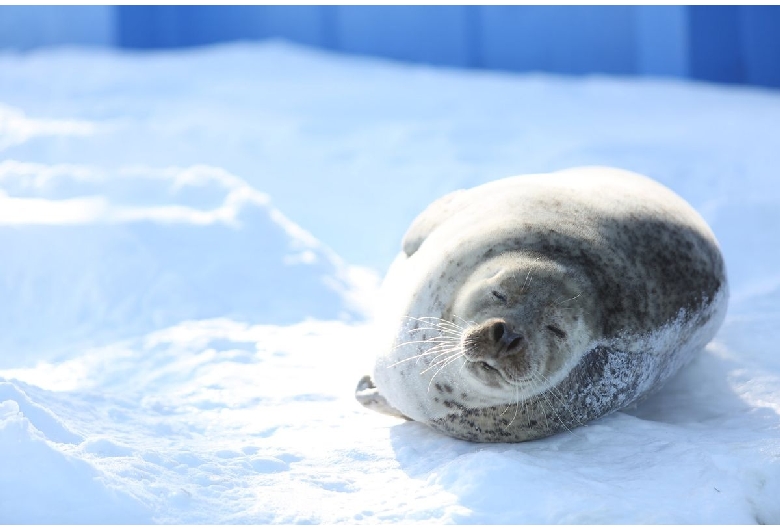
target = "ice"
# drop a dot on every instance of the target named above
(191, 242)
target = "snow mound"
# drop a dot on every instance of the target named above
(92, 255)
(197, 420)
(42, 418)
(41, 483)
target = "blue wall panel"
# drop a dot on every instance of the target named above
(563, 39)
(302, 24)
(760, 32)
(26, 27)
(735, 44)
(431, 34)
(176, 26)
(662, 40)
(135, 27)
(714, 40)
(210, 24)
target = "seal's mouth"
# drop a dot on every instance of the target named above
(485, 366)
(489, 372)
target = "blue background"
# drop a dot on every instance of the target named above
(731, 44)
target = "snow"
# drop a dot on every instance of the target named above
(191, 243)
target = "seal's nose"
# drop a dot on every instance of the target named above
(493, 339)
(506, 341)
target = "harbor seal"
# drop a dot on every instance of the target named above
(533, 304)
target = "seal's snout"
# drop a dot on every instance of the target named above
(505, 341)
(493, 340)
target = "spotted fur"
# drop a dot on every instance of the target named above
(631, 273)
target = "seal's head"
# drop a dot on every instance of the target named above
(530, 319)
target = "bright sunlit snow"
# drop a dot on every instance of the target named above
(191, 244)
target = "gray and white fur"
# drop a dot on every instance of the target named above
(534, 304)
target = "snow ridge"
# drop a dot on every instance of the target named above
(100, 254)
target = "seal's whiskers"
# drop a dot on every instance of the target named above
(446, 363)
(557, 395)
(468, 322)
(528, 278)
(439, 349)
(430, 341)
(439, 322)
(436, 362)
(568, 299)
(517, 405)
(541, 379)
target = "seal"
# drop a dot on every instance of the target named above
(533, 304)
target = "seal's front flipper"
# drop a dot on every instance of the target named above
(368, 395)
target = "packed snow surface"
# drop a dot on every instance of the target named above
(191, 244)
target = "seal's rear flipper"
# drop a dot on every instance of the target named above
(368, 395)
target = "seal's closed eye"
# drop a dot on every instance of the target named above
(558, 331)
(499, 296)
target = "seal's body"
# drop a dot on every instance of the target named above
(533, 304)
